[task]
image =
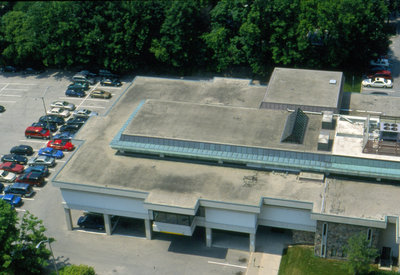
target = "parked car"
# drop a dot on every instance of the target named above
(51, 152)
(19, 189)
(110, 82)
(71, 128)
(100, 94)
(77, 120)
(75, 93)
(380, 62)
(52, 118)
(60, 144)
(93, 221)
(1, 187)
(84, 113)
(377, 83)
(42, 160)
(32, 71)
(37, 132)
(64, 136)
(2, 109)
(25, 150)
(31, 178)
(374, 69)
(14, 158)
(87, 73)
(58, 112)
(384, 74)
(6, 176)
(63, 104)
(106, 73)
(51, 126)
(12, 200)
(43, 170)
(12, 167)
(85, 78)
(79, 86)
(9, 69)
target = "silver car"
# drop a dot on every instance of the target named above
(84, 113)
(42, 160)
(6, 176)
(63, 104)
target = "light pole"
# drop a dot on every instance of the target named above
(45, 112)
(52, 254)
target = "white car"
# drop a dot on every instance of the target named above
(63, 104)
(84, 113)
(58, 112)
(377, 82)
(7, 176)
(42, 160)
(380, 62)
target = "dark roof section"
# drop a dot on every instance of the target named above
(295, 127)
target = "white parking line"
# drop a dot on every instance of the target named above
(27, 199)
(61, 160)
(11, 95)
(7, 101)
(4, 87)
(90, 232)
(35, 141)
(109, 87)
(87, 106)
(20, 210)
(16, 89)
(16, 83)
(232, 265)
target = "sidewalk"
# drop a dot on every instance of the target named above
(267, 259)
(263, 264)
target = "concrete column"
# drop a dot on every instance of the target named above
(68, 218)
(252, 247)
(147, 224)
(208, 237)
(107, 224)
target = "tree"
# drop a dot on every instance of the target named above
(18, 241)
(360, 254)
(77, 270)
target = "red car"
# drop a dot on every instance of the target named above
(383, 74)
(12, 167)
(60, 144)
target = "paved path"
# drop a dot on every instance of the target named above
(267, 262)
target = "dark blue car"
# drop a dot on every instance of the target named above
(75, 93)
(52, 126)
(15, 158)
(51, 152)
(64, 136)
(38, 168)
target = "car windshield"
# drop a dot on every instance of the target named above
(43, 132)
(4, 173)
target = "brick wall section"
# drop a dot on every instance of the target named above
(303, 237)
(337, 237)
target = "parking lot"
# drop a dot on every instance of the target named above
(121, 253)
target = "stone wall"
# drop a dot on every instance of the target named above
(303, 237)
(337, 236)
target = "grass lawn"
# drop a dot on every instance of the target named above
(352, 83)
(300, 260)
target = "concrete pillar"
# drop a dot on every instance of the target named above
(252, 247)
(208, 237)
(68, 218)
(147, 224)
(107, 224)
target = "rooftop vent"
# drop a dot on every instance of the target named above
(332, 81)
(295, 127)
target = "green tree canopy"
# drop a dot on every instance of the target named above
(360, 254)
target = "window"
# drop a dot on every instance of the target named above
(324, 239)
(172, 218)
(369, 236)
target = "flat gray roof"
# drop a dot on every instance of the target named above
(364, 104)
(181, 184)
(241, 126)
(304, 87)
